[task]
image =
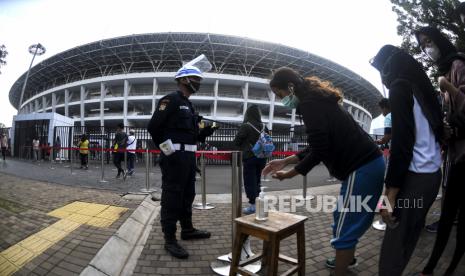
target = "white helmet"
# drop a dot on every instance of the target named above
(188, 70)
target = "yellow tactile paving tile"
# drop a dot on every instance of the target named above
(72, 216)
(6, 268)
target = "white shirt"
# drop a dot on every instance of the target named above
(426, 151)
(132, 143)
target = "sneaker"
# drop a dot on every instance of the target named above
(433, 227)
(118, 176)
(176, 250)
(249, 210)
(331, 263)
(125, 174)
(194, 234)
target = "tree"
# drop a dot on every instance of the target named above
(413, 14)
(3, 54)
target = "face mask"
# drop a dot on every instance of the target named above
(194, 86)
(290, 101)
(433, 52)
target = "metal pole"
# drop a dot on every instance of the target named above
(147, 189)
(222, 265)
(203, 187)
(71, 159)
(304, 190)
(51, 158)
(102, 165)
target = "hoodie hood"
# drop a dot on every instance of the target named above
(253, 115)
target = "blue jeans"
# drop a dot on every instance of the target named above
(131, 159)
(252, 173)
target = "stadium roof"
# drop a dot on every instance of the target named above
(164, 52)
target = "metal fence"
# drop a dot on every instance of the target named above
(66, 138)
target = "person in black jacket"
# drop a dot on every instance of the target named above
(413, 175)
(245, 139)
(348, 152)
(176, 122)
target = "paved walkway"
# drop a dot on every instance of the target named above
(218, 177)
(25, 207)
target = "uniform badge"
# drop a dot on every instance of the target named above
(163, 104)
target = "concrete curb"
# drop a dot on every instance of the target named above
(120, 253)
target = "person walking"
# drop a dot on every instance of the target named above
(174, 129)
(348, 152)
(451, 67)
(119, 146)
(36, 149)
(413, 175)
(84, 151)
(245, 139)
(4, 145)
(131, 147)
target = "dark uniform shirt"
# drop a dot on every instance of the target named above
(175, 119)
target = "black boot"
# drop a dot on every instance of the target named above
(173, 247)
(194, 234)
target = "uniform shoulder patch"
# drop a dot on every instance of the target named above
(163, 103)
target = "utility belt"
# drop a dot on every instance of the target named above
(185, 147)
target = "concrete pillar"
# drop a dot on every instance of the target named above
(103, 92)
(215, 101)
(66, 102)
(54, 102)
(125, 106)
(245, 93)
(154, 94)
(272, 98)
(82, 99)
(44, 104)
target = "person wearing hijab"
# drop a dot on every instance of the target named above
(245, 139)
(413, 173)
(349, 153)
(451, 68)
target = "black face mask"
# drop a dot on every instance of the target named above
(193, 86)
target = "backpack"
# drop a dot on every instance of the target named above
(264, 146)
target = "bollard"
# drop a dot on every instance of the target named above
(102, 165)
(203, 187)
(222, 265)
(147, 189)
(51, 159)
(304, 190)
(71, 160)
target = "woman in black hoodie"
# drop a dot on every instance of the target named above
(347, 151)
(413, 176)
(245, 139)
(451, 68)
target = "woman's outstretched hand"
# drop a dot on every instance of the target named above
(274, 166)
(281, 175)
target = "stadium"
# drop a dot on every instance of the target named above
(120, 80)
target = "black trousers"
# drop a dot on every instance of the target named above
(178, 191)
(84, 159)
(453, 204)
(252, 173)
(4, 153)
(414, 200)
(118, 157)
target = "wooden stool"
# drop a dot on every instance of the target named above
(278, 227)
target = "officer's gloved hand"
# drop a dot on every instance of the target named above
(208, 131)
(199, 118)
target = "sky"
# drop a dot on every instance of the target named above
(346, 32)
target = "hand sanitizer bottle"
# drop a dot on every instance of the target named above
(261, 213)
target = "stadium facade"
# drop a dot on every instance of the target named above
(121, 79)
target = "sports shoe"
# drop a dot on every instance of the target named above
(194, 234)
(249, 210)
(433, 227)
(331, 263)
(125, 174)
(176, 250)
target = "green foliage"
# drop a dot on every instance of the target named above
(3, 54)
(441, 14)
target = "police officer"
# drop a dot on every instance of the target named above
(175, 119)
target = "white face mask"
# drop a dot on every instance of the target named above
(433, 52)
